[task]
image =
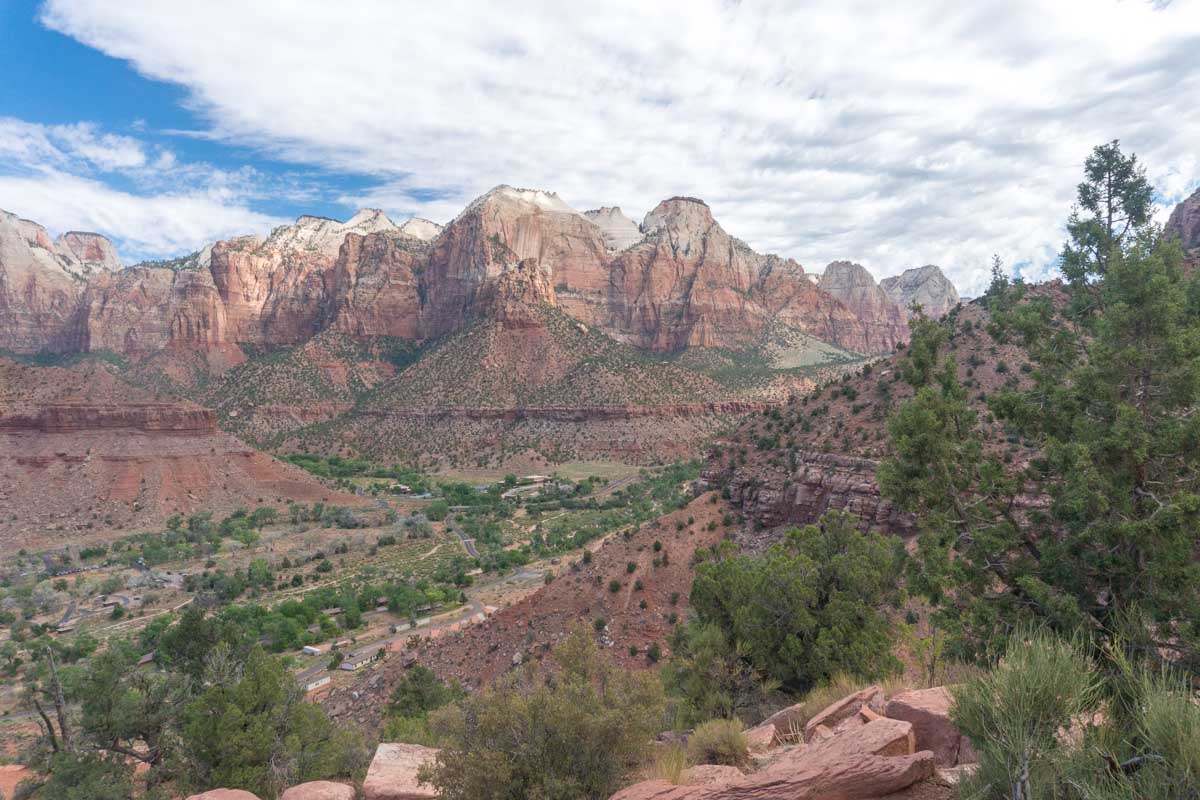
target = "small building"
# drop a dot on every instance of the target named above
(537, 479)
(309, 650)
(331, 612)
(313, 684)
(146, 660)
(354, 661)
(340, 644)
(399, 488)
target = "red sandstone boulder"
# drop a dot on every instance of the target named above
(839, 711)
(319, 790)
(929, 712)
(881, 737)
(393, 773)
(857, 777)
(761, 738)
(224, 794)
(708, 774)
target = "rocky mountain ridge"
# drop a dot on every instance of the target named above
(926, 286)
(676, 281)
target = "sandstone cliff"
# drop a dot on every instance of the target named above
(678, 280)
(879, 320)
(924, 285)
(1185, 221)
(618, 230)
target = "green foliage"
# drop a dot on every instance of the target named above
(256, 732)
(719, 741)
(808, 608)
(575, 733)
(88, 776)
(1115, 381)
(1033, 721)
(711, 678)
(420, 691)
(437, 510)
(1013, 714)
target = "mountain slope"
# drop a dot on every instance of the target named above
(81, 451)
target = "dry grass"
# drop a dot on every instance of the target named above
(670, 762)
(719, 741)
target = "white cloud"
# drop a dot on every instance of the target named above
(896, 134)
(60, 176)
(141, 226)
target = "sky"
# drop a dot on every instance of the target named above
(892, 134)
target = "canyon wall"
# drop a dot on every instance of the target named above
(676, 281)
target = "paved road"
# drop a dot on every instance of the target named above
(468, 543)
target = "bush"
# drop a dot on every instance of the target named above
(1013, 715)
(811, 606)
(719, 741)
(576, 733)
(710, 678)
(614, 586)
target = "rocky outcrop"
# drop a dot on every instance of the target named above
(929, 712)
(849, 751)
(1185, 222)
(689, 283)
(377, 287)
(519, 291)
(926, 286)
(853, 777)
(393, 773)
(159, 418)
(87, 252)
(618, 230)
(881, 320)
(224, 794)
(812, 484)
(422, 229)
(39, 290)
(319, 790)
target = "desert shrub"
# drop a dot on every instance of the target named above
(577, 732)
(719, 741)
(710, 678)
(1013, 714)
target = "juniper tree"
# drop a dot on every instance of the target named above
(1112, 408)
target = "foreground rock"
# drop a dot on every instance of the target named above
(840, 711)
(709, 774)
(224, 794)
(319, 790)
(929, 712)
(393, 773)
(856, 777)
(880, 737)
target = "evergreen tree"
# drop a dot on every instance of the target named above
(1112, 407)
(810, 607)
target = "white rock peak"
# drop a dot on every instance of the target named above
(326, 235)
(618, 231)
(421, 228)
(77, 253)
